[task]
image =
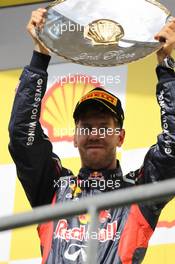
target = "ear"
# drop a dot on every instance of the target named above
(121, 138)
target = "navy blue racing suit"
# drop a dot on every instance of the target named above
(124, 232)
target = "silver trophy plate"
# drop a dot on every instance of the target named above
(103, 32)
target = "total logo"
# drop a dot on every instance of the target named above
(81, 233)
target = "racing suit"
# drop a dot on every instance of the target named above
(124, 232)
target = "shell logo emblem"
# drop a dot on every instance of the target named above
(58, 105)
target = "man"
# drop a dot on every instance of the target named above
(124, 232)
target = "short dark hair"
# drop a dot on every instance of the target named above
(100, 109)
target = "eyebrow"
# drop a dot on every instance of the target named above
(101, 124)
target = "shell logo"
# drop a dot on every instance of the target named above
(58, 105)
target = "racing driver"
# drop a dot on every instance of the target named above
(123, 232)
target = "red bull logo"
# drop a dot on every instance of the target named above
(96, 175)
(81, 233)
(104, 215)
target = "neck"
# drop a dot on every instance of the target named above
(112, 166)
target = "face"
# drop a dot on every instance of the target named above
(96, 138)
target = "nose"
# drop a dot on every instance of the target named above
(95, 134)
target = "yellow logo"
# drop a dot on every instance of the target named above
(100, 95)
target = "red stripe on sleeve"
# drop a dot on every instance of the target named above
(136, 234)
(45, 232)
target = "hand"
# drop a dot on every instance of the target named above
(166, 35)
(37, 20)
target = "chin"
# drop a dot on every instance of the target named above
(96, 164)
(95, 160)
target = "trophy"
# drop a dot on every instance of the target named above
(103, 32)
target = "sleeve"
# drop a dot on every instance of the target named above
(159, 163)
(37, 167)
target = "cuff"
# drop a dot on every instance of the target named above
(164, 73)
(40, 60)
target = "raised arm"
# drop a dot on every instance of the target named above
(31, 150)
(159, 162)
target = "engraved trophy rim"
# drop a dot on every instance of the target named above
(57, 2)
